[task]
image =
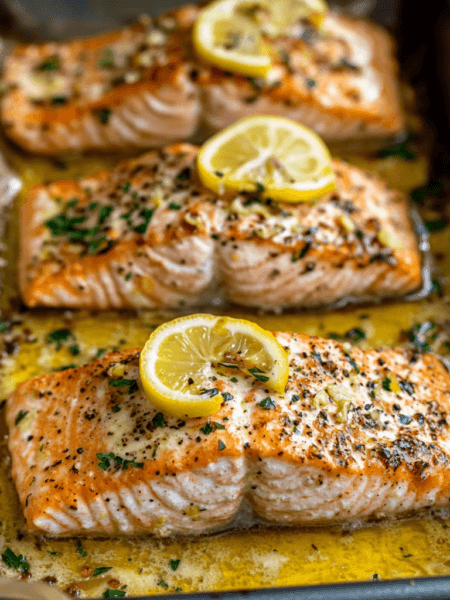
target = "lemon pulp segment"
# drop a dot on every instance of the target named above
(286, 160)
(185, 362)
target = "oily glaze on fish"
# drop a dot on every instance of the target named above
(149, 234)
(357, 435)
(144, 85)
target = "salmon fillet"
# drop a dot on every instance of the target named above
(127, 89)
(144, 85)
(357, 435)
(148, 234)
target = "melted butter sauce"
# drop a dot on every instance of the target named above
(233, 560)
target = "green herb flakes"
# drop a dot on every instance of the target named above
(100, 570)
(158, 420)
(59, 336)
(80, 550)
(207, 429)
(267, 403)
(103, 114)
(130, 383)
(14, 561)
(257, 374)
(113, 593)
(52, 63)
(221, 445)
(105, 459)
(22, 414)
(174, 564)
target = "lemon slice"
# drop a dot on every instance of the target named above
(233, 34)
(283, 159)
(185, 362)
(231, 41)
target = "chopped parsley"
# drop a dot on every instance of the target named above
(58, 100)
(227, 396)
(210, 393)
(218, 425)
(103, 114)
(436, 225)
(106, 59)
(295, 398)
(234, 379)
(267, 403)
(131, 383)
(4, 326)
(401, 150)
(80, 550)
(257, 374)
(162, 583)
(221, 445)
(184, 174)
(105, 459)
(67, 224)
(59, 336)
(116, 408)
(207, 429)
(420, 335)
(14, 561)
(113, 593)
(22, 414)
(174, 206)
(158, 420)
(355, 335)
(66, 367)
(100, 570)
(174, 564)
(52, 63)
(386, 384)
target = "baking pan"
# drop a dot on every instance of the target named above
(384, 561)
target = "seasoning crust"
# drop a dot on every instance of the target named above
(357, 435)
(144, 86)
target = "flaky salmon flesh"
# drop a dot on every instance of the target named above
(143, 86)
(357, 435)
(148, 234)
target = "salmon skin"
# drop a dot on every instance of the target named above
(357, 435)
(148, 234)
(143, 86)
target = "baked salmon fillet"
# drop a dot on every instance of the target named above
(357, 435)
(144, 85)
(148, 234)
(127, 89)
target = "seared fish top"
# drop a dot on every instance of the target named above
(144, 85)
(356, 434)
(148, 233)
